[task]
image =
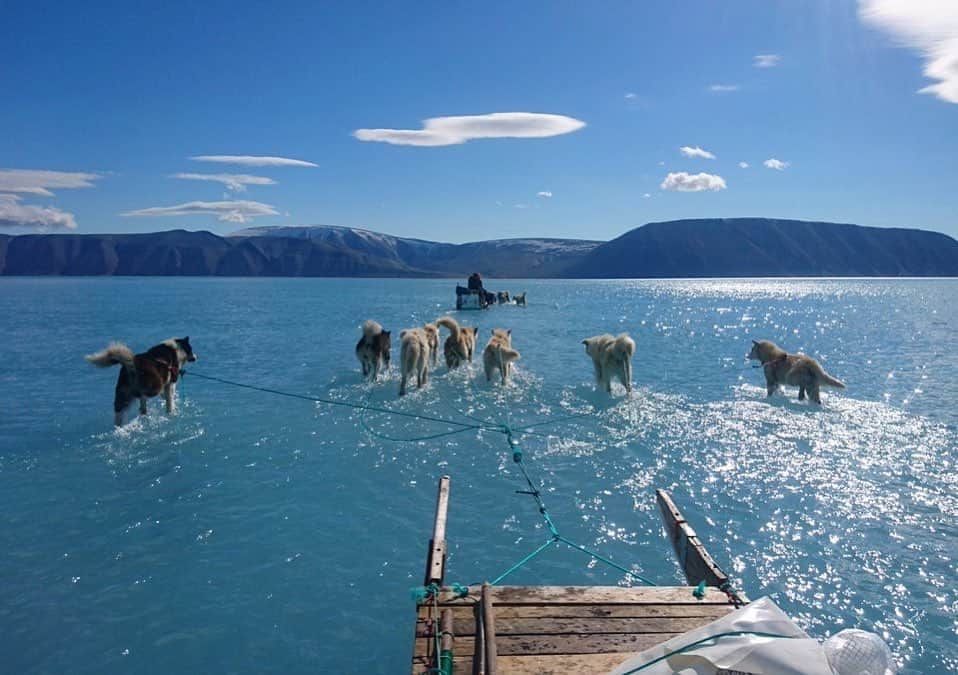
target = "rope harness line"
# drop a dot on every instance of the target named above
(431, 592)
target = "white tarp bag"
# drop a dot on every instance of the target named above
(746, 645)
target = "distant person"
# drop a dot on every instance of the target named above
(475, 282)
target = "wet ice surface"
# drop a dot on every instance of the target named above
(252, 529)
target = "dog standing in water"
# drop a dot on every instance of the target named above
(145, 375)
(372, 350)
(414, 356)
(796, 370)
(499, 354)
(461, 343)
(611, 357)
(432, 337)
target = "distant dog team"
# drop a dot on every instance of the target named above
(611, 358)
(157, 370)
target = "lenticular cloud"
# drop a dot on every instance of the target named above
(39, 182)
(226, 211)
(252, 160)
(439, 131)
(699, 182)
(15, 214)
(236, 182)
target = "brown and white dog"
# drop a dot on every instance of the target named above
(460, 345)
(372, 350)
(145, 375)
(414, 356)
(797, 370)
(432, 337)
(611, 357)
(499, 354)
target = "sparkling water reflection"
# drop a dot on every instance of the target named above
(254, 533)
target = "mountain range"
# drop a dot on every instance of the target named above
(739, 247)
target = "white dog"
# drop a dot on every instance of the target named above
(499, 354)
(414, 357)
(612, 357)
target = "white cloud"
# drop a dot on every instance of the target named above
(646, 195)
(696, 152)
(29, 181)
(776, 164)
(931, 27)
(545, 194)
(743, 165)
(226, 211)
(521, 206)
(236, 182)
(438, 131)
(15, 214)
(723, 87)
(252, 160)
(684, 182)
(631, 96)
(766, 60)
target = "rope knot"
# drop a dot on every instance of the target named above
(460, 591)
(421, 593)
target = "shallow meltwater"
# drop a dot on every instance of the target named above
(254, 528)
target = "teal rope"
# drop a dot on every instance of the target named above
(607, 561)
(317, 399)
(688, 647)
(534, 492)
(504, 429)
(406, 439)
(522, 562)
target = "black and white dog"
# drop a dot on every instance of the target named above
(145, 375)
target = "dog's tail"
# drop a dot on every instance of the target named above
(371, 328)
(826, 379)
(450, 323)
(116, 353)
(506, 354)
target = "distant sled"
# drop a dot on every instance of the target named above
(468, 298)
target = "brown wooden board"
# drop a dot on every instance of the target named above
(422, 665)
(710, 611)
(540, 626)
(513, 645)
(556, 664)
(695, 561)
(436, 554)
(588, 595)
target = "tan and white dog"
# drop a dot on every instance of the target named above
(460, 345)
(797, 370)
(414, 355)
(612, 358)
(145, 375)
(432, 337)
(372, 350)
(499, 354)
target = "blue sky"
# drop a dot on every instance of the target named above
(105, 103)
